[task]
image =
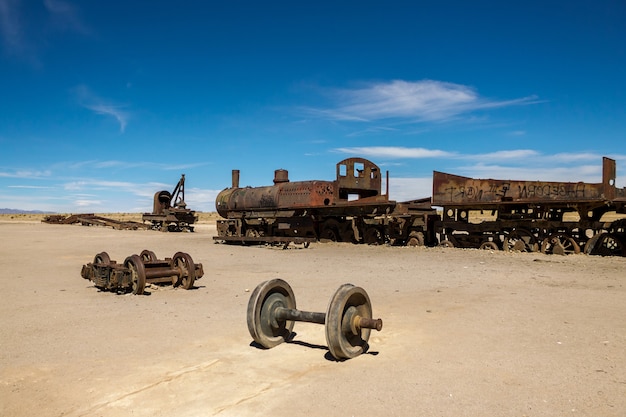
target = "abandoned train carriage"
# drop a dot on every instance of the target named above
(554, 217)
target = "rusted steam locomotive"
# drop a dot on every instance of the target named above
(348, 209)
(553, 217)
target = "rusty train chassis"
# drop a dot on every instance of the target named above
(538, 228)
(522, 229)
(305, 226)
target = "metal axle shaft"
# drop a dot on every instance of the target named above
(282, 313)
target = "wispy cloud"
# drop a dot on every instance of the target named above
(520, 154)
(395, 152)
(525, 155)
(30, 187)
(98, 184)
(26, 174)
(121, 165)
(89, 100)
(418, 101)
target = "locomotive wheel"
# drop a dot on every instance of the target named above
(520, 240)
(148, 256)
(252, 233)
(262, 324)
(137, 273)
(590, 246)
(489, 246)
(187, 268)
(373, 236)
(560, 244)
(330, 231)
(415, 239)
(609, 244)
(344, 340)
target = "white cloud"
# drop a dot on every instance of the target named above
(426, 100)
(519, 154)
(111, 110)
(26, 174)
(395, 152)
(405, 189)
(30, 187)
(87, 203)
(87, 99)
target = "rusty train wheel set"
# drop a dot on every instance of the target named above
(348, 320)
(138, 270)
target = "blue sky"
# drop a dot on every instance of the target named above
(104, 103)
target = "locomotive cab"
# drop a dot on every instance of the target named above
(358, 178)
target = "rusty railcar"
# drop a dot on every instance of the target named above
(352, 208)
(554, 217)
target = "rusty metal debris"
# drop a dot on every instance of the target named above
(137, 270)
(91, 219)
(170, 212)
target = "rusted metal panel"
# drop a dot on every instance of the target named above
(454, 190)
(451, 190)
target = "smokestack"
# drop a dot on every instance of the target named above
(281, 175)
(235, 178)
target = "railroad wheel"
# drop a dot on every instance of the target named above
(488, 245)
(373, 236)
(252, 233)
(187, 268)
(348, 236)
(147, 256)
(102, 259)
(344, 340)
(137, 273)
(609, 244)
(330, 231)
(446, 244)
(560, 244)
(415, 239)
(520, 240)
(265, 298)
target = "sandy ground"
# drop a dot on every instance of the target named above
(466, 332)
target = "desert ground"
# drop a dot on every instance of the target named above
(466, 332)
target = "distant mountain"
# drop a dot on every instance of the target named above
(16, 211)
